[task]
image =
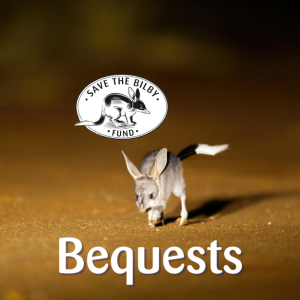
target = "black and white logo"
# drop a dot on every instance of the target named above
(121, 107)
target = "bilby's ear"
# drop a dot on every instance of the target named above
(159, 164)
(131, 94)
(137, 94)
(133, 170)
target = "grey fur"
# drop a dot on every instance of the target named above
(159, 176)
(169, 181)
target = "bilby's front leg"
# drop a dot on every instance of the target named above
(131, 120)
(155, 216)
(162, 217)
(128, 116)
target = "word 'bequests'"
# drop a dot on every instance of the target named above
(156, 264)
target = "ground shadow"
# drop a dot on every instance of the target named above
(217, 207)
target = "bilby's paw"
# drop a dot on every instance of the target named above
(152, 224)
(182, 221)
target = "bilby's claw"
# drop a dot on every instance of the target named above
(152, 224)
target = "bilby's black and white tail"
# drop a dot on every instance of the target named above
(91, 123)
(200, 149)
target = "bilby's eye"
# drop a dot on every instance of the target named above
(136, 198)
(151, 196)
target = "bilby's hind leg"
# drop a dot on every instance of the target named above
(116, 119)
(184, 213)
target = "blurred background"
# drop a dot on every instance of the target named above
(230, 72)
(51, 50)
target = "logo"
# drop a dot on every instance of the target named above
(121, 107)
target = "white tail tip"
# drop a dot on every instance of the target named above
(210, 150)
(84, 123)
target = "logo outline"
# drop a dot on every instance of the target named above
(90, 127)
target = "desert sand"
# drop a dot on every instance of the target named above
(58, 180)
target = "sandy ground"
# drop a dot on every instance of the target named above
(58, 180)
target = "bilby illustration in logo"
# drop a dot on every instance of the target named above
(116, 106)
(121, 107)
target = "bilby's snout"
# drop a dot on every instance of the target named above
(146, 190)
(140, 204)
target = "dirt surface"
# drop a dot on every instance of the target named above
(58, 180)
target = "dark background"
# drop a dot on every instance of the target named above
(51, 50)
(230, 72)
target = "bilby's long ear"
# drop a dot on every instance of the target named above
(131, 94)
(159, 164)
(133, 170)
(137, 94)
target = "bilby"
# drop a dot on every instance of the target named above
(116, 106)
(159, 175)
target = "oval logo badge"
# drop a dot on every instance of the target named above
(121, 107)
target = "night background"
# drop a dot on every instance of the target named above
(230, 72)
